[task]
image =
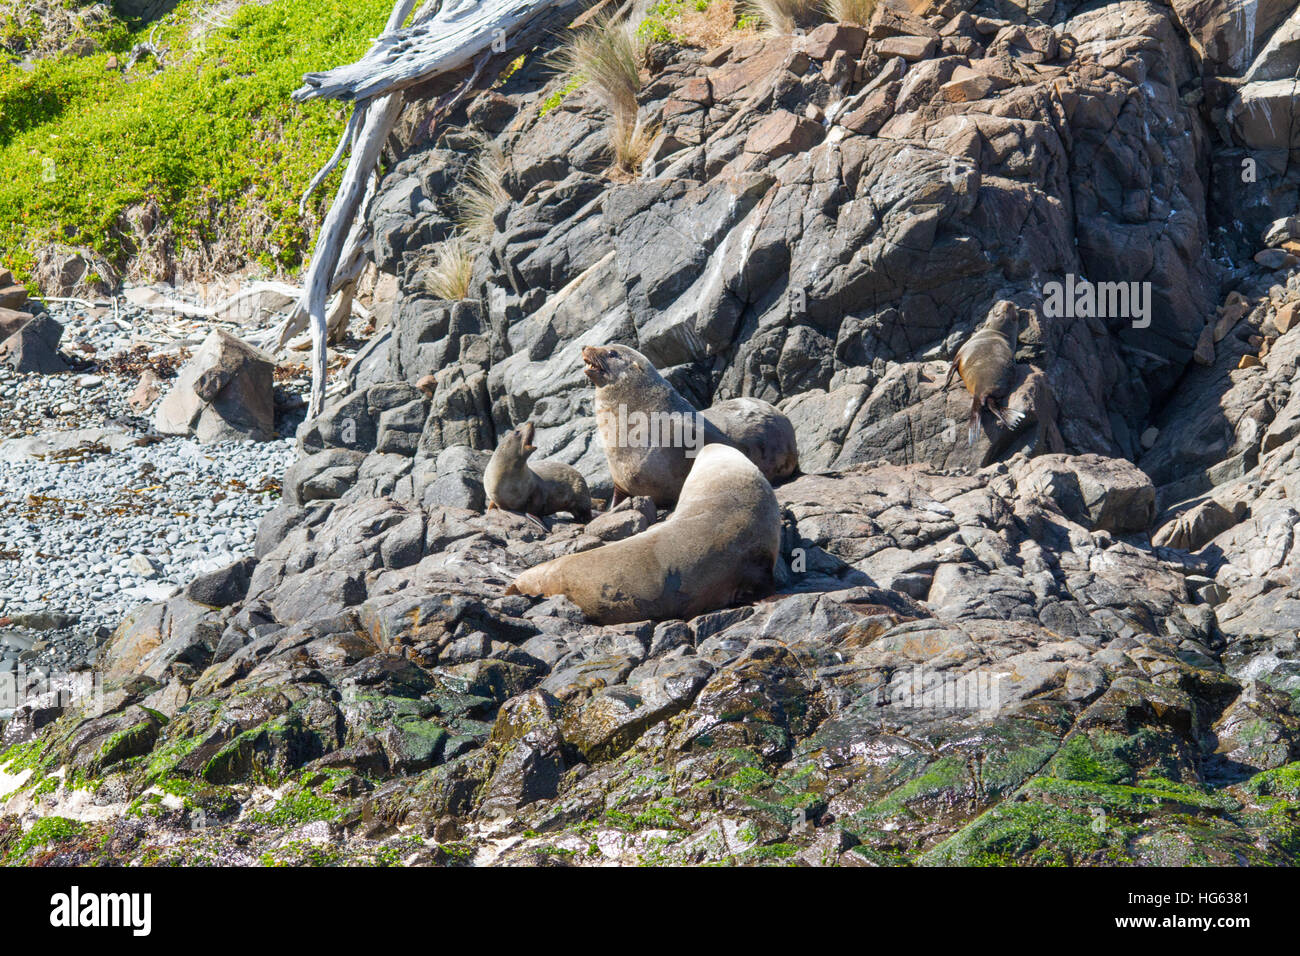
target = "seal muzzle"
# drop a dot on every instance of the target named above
(594, 365)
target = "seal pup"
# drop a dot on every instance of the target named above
(651, 433)
(718, 548)
(541, 489)
(987, 365)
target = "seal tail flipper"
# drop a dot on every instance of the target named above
(1011, 418)
(952, 370)
(1016, 418)
(973, 422)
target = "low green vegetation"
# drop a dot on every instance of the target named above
(1283, 782)
(296, 808)
(657, 27)
(1035, 834)
(201, 139)
(553, 101)
(22, 757)
(45, 832)
(695, 22)
(41, 27)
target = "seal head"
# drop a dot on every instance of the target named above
(651, 434)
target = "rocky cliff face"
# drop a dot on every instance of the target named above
(1073, 644)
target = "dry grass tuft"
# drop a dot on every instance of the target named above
(851, 11)
(785, 16)
(630, 143)
(608, 55)
(47, 27)
(449, 274)
(481, 192)
(711, 27)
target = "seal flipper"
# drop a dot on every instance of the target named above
(615, 497)
(1016, 419)
(952, 370)
(973, 423)
(1011, 418)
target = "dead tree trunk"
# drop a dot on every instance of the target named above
(456, 36)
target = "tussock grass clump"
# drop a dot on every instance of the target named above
(449, 273)
(630, 143)
(785, 16)
(481, 192)
(851, 11)
(608, 54)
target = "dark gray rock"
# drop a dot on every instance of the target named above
(223, 587)
(34, 347)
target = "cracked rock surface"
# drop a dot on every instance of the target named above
(1075, 644)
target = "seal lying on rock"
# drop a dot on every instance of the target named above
(987, 365)
(541, 489)
(717, 549)
(651, 433)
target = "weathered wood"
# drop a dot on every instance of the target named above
(345, 143)
(461, 30)
(442, 40)
(379, 120)
(369, 129)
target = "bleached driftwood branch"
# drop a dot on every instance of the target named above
(442, 40)
(369, 128)
(451, 41)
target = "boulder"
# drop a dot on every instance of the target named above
(224, 586)
(12, 295)
(34, 347)
(1198, 525)
(147, 391)
(225, 392)
(1105, 494)
(910, 48)
(783, 133)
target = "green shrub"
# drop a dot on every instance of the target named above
(212, 139)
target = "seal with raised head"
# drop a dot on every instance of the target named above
(651, 433)
(718, 548)
(987, 365)
(539, 489)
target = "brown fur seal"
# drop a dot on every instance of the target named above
(651, 433)
(718, 548)
(987, 365)
(540, 489)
